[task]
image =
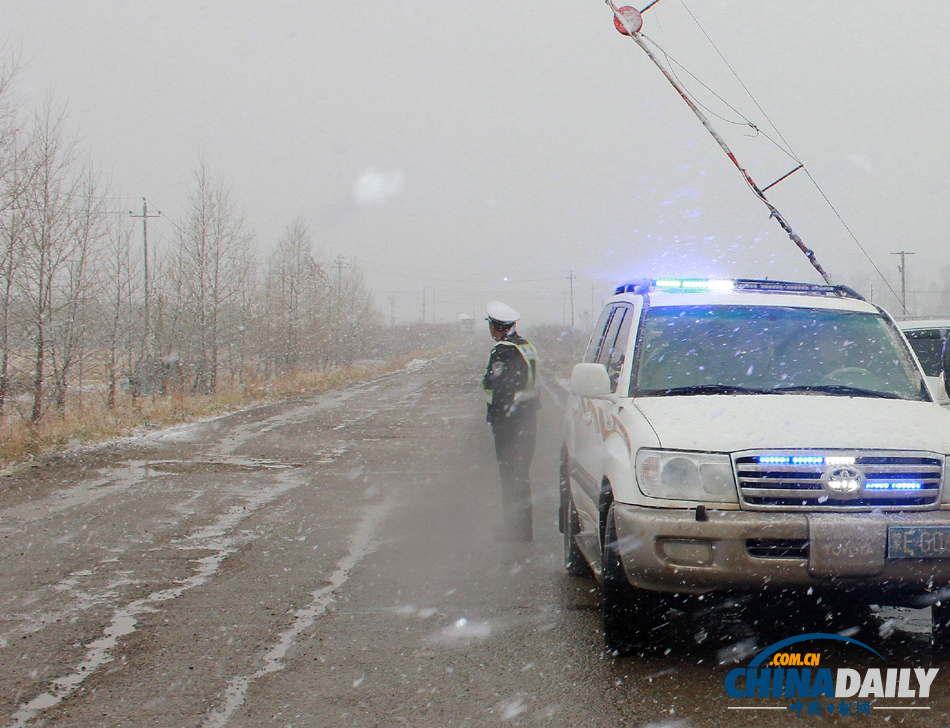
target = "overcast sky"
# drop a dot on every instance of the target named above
(448, 146)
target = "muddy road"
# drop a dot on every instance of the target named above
(336, 561)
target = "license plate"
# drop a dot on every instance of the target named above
(918, 542)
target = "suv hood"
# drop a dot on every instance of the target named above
(729, 423)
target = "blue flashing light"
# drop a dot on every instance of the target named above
(895, 485)
(791, 460)
(668, 283)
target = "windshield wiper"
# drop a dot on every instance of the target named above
(841, 390)
(704, 389)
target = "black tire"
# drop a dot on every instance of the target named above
(631, 615)
(574, 562)
(940, 629)
(564, 489)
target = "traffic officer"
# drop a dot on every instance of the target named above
(511, 389)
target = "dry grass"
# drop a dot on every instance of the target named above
(88, 420)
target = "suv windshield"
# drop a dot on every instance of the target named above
(772, 350)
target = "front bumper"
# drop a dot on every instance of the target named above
(743, 551)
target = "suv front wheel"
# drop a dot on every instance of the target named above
(574, 562)
(631, 615)
(940, 635)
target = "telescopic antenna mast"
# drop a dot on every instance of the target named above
(629, 22)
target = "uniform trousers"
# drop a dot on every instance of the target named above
(514, 447)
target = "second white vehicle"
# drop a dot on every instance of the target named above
(927, 337)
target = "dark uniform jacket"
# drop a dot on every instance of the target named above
(508, 373)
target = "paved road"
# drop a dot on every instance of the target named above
(332, 561)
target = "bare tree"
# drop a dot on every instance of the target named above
(212, 259)
(295, 304)
(14, 177)
(47, 234)
(353, 320)
(72, 292)
(118, 285)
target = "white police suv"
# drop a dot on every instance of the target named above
(748, 435)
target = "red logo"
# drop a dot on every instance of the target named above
(603, 421)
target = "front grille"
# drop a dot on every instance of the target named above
(775, 484)
(777, 548)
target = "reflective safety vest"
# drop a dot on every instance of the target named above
(530, 356)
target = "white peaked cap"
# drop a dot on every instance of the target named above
(502, 312)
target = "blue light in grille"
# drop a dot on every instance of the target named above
(895, 485)
(791, 460)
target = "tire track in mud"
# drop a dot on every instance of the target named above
(213, 538)
(361, 546)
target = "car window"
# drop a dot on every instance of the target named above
(607, 346)
(615, 345)
(928, 345)
(600, 332)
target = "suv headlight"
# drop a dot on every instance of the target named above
(694, 476)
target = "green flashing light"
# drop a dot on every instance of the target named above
(695, 284)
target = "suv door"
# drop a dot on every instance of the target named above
(587, 464)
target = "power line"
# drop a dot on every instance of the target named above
(788, 148)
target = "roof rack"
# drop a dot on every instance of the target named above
(726, 285)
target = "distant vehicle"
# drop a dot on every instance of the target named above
(466, 323)
(730, 436)
(927, 337)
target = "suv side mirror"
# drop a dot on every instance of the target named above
(590, 380)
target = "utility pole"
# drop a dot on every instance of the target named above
(145, 216)
(570, 277)
(392, 310)
(903, 269)
(423, 305)
(340, 265)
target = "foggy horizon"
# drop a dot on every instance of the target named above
(445, 148)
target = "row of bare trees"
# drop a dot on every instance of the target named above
(77, 311)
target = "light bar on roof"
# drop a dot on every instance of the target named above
(694, 284)
(723, 285)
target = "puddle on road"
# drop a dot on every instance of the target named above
(196, 467)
